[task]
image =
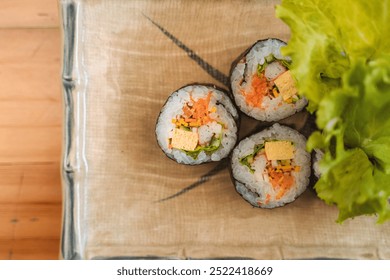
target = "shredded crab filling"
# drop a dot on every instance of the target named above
(263, 82)
(202, 121)
(279, 173)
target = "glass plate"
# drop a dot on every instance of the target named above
(122, 197)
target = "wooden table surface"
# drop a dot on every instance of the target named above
(30, 129)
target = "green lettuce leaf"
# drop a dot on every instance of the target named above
(341, 60)
(363, 103)
(350, 179)
(327, 36)
(214, 145)
(354, 185)
(356, 139)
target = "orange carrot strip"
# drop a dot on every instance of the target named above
(187, 111)
(267, 198)
(259, 90)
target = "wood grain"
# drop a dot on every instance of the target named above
(33, 113)
(30, 220)
(28, 183)
(30, 65)
(27, 13)
(30, 129)
(30, 144)
(29, 249)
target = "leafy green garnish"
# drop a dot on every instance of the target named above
(342, 64)
(357, 179)
(214, 145)
(328, 37)
(248, 160)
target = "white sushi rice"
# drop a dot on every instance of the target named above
(254, 187)
(273, 109)
(273, 70)
(318, 155)
(207, 131)
(226, 113)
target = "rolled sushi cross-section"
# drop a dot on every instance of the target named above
(197, 124)
(271, 168)
(262, 84)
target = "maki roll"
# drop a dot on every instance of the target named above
(271, 168)
(262, 84)
(197, 124)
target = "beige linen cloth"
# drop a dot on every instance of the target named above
(135, 56)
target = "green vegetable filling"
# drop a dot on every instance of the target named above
(214, 145)
(185, 128)
(268, 59)
(248, 160)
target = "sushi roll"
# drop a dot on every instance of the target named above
(262, 84)
(271, 168)
(197, 124)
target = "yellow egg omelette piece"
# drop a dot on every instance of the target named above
(279, 150)
(184, 140)
(286, 85)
